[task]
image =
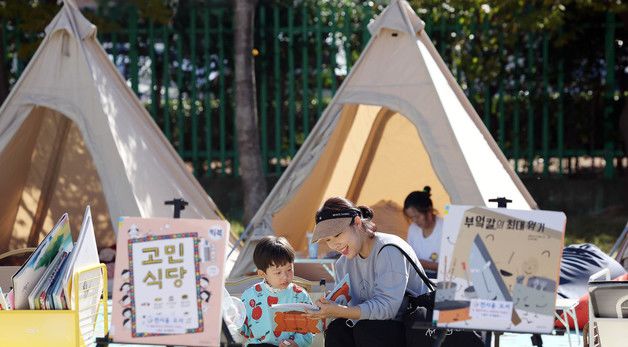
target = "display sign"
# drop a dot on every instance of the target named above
(499, 269)
(168, 281)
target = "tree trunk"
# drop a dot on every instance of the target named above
(253, 180)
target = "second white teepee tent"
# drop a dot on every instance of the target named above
(398, 122)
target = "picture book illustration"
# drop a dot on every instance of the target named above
(499, 269)
(59, 239)
(291, 317)
(168, 281)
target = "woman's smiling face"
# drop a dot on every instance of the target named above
(348, 242)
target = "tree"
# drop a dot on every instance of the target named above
(253, 181)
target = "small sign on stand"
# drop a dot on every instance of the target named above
(168, 280)
(500, 268)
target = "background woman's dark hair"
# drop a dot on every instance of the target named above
(420, 200)
(272, 250)
(337, 204)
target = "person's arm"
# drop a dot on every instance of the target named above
(390, 282)
(329, 309)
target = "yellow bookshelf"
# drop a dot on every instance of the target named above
(63, 328)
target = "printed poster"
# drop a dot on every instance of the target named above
(499, 269)
(168, 281)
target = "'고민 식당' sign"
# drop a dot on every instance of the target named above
(168, 281)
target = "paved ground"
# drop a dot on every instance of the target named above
(506, 340)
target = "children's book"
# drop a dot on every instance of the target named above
(34, 298)
(499, 270)
(10, 299)
(85, 254)
(291, 317)
(341, 293)
(27, 277)
(3, 301)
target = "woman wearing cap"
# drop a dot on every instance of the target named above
(426, 230)
(378, 279)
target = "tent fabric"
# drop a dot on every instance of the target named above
(398, 122)
(73, 133)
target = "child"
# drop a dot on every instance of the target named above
(274, 258)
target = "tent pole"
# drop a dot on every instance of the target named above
(242, 238)
(50, 180)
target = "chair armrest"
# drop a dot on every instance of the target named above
(606, 273)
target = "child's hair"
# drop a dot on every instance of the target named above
(420, 200)
(272, 250)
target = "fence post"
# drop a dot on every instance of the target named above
(153, 70)
(305, 97)
(264, 88)
(221, 93)
(610, 91)
(530, 86)
(193, 111)
(277, 88)
(545, 98)
(133, 60)
(165, 81)
(561, 114)
(516, 116)
(291, 99)
(207, 108)
(319, 62)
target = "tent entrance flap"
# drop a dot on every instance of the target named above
(394, 162)
(52, 172)
(374, 157)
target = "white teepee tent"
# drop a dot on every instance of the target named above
(72, 133)
(398, 122)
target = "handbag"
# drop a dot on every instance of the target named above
(419, 309)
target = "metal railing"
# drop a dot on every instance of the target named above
(531, 102)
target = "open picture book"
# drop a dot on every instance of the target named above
(291, 317)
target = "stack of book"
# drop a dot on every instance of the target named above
(44, 281)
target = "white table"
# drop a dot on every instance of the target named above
(328, 264)
(567, 308)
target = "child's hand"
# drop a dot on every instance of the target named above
(288, 343)
(327, 309)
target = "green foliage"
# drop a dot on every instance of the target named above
(306, 48)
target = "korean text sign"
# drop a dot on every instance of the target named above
(168, 281)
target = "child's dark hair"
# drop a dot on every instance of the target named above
(272, 251)
(420, 200)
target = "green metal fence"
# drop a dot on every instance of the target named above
(531, 103)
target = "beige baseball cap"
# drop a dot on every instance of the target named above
(330, 223)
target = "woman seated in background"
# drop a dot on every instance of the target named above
(426, 230)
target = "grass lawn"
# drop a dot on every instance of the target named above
(601, 229)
